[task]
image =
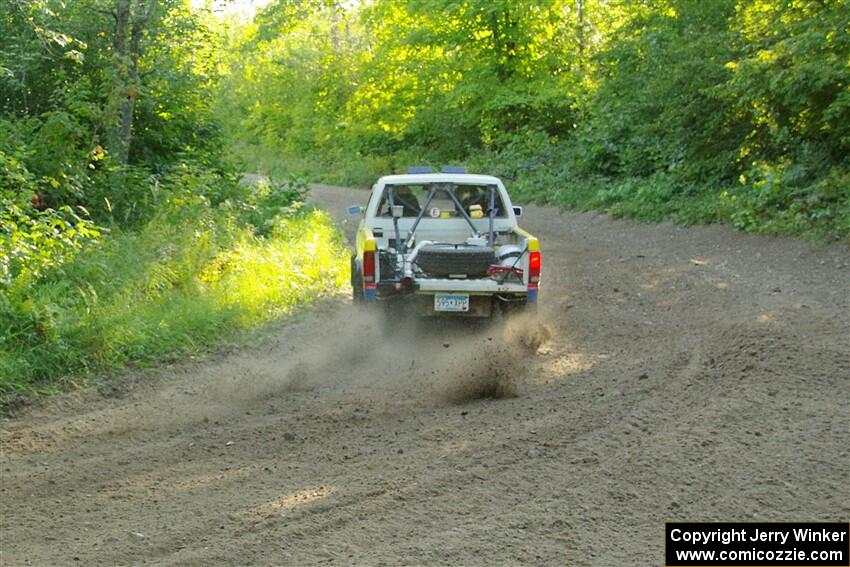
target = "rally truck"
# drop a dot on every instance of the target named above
(444, 243)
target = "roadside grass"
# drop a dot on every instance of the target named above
(636, 198)
(766, 203)
(188, 278)
(655, 199)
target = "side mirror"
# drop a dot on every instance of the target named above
(355, 210)
(518, 211)
(398, 211)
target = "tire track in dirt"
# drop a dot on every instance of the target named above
(692, 374)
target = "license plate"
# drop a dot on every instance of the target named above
(453, 302)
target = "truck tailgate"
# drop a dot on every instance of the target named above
(483, 286)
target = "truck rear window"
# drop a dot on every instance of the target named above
(473, 198)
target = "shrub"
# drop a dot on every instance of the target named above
(86, 301)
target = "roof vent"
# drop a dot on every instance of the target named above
(454, 169)
(413, 169)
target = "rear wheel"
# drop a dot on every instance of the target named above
(356, 282)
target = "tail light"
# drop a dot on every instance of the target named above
(369, 268)
(534, 262)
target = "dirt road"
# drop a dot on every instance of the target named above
(692, 374)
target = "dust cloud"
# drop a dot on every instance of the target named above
(360, 352)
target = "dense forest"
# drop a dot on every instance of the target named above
(726, 110)
(126, 236)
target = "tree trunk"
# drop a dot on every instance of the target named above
(122, 103)
(580, 31)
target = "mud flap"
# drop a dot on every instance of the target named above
(370, 294)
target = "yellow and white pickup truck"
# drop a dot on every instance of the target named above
(444, 243)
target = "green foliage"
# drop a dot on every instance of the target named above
(174, 118)
(106, 262)
(654, 109)
(56, 101)
(771, 201)
(192, 274)
(33, 244)
(722, 111)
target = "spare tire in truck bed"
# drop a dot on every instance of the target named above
(440, 260)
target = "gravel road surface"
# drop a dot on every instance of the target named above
(675, 374)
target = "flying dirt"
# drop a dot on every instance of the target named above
(672, 374)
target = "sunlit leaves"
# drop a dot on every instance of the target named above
(32, 243)
(689, 96)
(793, 73)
